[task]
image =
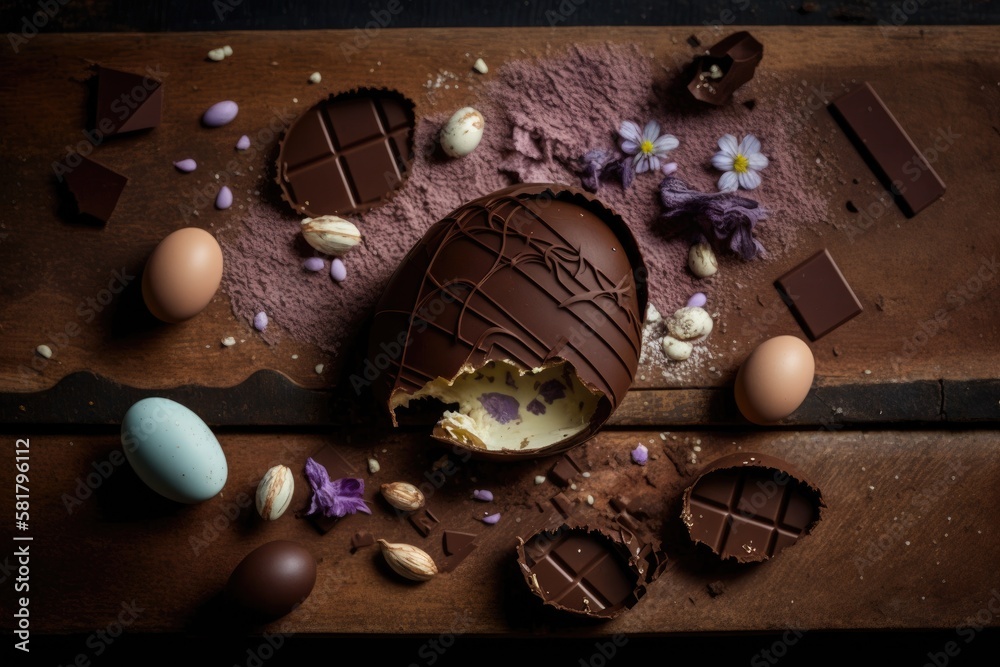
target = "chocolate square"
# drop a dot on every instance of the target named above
(818, 295)
(95, 187)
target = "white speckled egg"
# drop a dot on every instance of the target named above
(173, 450)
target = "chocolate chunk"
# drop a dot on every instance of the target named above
(564, 471)
(586, 571)
(423, 521)
(693, 41)
(818, 295)
(749, 507)
(337, 467)
(361, 539)
(729, 64)
(95, 188)
(454, 541)
(888, 149)
(563, 505)
(348, 153)
(534, 275)
(716, 588)
(126, 102)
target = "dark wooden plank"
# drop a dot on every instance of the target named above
(268, 398)
(908, 540)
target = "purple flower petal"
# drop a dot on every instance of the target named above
(509, 380)
(668, 168)
(724, 218)
(666, 142)
(630, 131)
(640, 455)
(483, 495)
(501, 407)
(492, 519)
(651, 131)
(630, 147)
(536, 407)
(628, 173)
(641, 163)
(552, 390)
(334, 498)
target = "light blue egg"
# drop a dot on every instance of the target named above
(173, 450)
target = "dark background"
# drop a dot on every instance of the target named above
(816, 648)
(160, 15)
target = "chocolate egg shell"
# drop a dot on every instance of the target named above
(524, 308)
(273, 579)
(749, 507)
(589, 571)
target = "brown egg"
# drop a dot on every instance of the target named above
(273, 579)
(182, 274)
(775, 379)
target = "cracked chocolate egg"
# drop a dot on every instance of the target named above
(521, 314)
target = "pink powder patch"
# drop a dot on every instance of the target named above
(541, 116)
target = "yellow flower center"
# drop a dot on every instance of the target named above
(741, 164)
(646, 147)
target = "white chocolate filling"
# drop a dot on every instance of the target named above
(502, 407)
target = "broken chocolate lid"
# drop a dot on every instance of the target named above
(588, 571)
(729, 64)
(522, 309)
(750, 507)
(348, 153)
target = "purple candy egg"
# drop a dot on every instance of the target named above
(224, 199)
(697, 299)
(243, 143)
(220, 113)
(260, 321)
(186, 166)
(492, 519)
(313, 264)
(338, 271)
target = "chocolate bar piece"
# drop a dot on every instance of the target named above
(888, 149)
(95, 188)
(749, 507)
(818, 295)
(126, 102)
(348, 153)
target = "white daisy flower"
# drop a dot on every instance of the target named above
(741, 162)
(647, 146)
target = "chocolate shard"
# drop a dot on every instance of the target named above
(750, 507)
(888, 149)
(126, 102)
(538, 282)
(347, 154)
(454, 541)
(728, 64)
(95, 187)
(423, 521)
(361, 539)
(588, 571)
(818, 295)
(565, 471)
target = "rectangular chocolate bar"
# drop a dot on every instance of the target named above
(887, 148)
(818, 295)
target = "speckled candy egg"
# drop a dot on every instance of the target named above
(173, 451)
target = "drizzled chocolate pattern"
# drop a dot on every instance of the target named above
(533, 274)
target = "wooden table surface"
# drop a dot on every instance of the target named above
(904, 445)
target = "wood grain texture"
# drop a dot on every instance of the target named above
(904, 271)
(906, 541)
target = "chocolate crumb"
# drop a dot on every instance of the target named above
(716, 588)
(750, 104)
(361, 539)
(694, 41)
(836, 351)
(808, 8)
(851, 207)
